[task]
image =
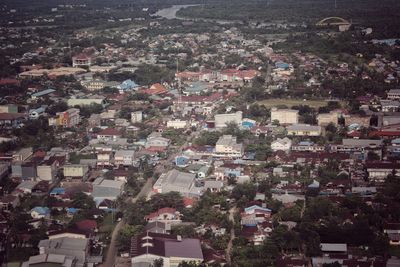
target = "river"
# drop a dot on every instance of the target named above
(170, 13)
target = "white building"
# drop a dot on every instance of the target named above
(177, 124)
(124, 157)
(326, 118)
(285, 116)
(393, 94)
(228, 147)
(136, 117)
(283, 144)
(221, 120)
(304, 130)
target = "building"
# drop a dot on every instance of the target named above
(221, 120)
(47, 170)
(73, 251)
(124, 157)
(67, 119)
(8, 109)
(176, 181)
(157, 143)
(40, 212)
(81, 61)
(304, 130)
(393, 94)
(227, 146)
(283, 144)
(76, 171)
(177, 124)
(36, 113)
(12, 120)
(72, 102)
(325, 119)
(106, 189)
(285, 116)
(172, 249)
(108, 134)
(137, 117)
(164, 215)
(378, 171)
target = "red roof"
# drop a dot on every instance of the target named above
(188, 202)
(159, 212)
(7, 81)
(86, 225)
(109, 131)
(11, 116)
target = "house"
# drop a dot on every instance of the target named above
(66, 119)
(88, 227)
(108, 134)
(177, 181)
(254, 215)
(221, 120)
(304, 130)
(157, 143)
(12, 120)
(165, 215)
(156, 89)
(283, 144)
(36, 113)
(124, 158)
(40, 212)
(81, 60)
(227, 146)
(173, 250)
(213, 186)
(285, 116)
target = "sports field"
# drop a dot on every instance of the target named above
(294, 102)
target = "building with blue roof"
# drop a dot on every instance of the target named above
(42, 93)
(40, 212)
(127, 85)
(282, 65)
(57, 191)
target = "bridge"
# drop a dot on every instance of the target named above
(333, 21)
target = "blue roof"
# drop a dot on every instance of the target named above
(44, 92)
(128, 85)
(306, 143)
(41, 210)
(396, 141)
(282, 65)
(57, 191)
(72, 210)
(256, 207)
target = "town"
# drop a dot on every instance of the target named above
(179, 133)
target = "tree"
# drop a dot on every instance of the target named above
(125, 235)
(82, 201)
(246, 190)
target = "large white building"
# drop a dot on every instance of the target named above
(176, 181)
(136, 117)
(177, 124)
(285, 116)
(283, 144)
(221, 120)
(227, 146)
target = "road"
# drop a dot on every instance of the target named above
(230, 244)
(145, 191)
(112, 249)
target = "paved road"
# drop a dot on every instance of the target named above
(112, 249)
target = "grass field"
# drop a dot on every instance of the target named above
(294, 102)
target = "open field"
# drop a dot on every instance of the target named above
(273, 102)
